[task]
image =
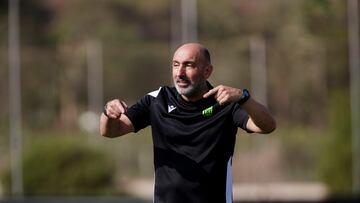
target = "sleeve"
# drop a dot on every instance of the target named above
(240, 118)
(139, 113)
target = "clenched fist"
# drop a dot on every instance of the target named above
(114, 108)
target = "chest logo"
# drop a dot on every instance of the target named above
(171, 108)
(207, 112)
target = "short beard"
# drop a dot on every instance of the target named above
(192, 90)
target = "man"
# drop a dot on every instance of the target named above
(193, 128)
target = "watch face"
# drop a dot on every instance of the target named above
(245, 93)
(244, 97)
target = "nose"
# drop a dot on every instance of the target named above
(181, 71)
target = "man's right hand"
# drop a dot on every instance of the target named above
(112, 122)
(114, 108)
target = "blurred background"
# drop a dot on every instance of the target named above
(61, 60)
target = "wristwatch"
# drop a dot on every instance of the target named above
(244, 97)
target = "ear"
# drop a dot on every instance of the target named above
(208, 71)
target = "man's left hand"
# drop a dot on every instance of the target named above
(224, 94)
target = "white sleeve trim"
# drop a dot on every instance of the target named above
(155, 93)
(229, 182)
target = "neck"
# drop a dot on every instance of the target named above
(197, 96)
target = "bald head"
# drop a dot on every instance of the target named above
(196, 49)
(191, 67)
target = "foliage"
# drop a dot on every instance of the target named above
(300, 147)
(335, 166)
(63, 167)
(135, 38)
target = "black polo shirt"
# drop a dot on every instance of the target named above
(193, 145)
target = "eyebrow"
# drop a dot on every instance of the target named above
(184, 61)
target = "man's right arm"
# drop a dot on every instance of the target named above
(115, 123)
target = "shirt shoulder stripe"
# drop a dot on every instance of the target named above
(154, 93)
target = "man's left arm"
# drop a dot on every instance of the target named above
(260, 119)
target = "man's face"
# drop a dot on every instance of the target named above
(189, 71)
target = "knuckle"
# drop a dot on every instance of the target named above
(108, 106)
(112, 102)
